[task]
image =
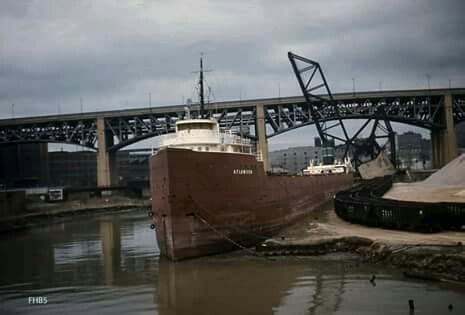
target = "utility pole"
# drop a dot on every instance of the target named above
(428, 79)
(82, 106)
(353, 86)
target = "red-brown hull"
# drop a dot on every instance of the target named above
(202, 199)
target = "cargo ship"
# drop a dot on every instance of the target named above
(211, 193)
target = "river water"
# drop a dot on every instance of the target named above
(110, 265)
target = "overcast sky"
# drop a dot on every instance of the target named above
(113, 53)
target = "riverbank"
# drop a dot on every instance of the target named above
(42, 213)
(435, 256)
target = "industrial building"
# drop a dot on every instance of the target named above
(31, 165)
(23, 165)
(413, 151)
(293, 160)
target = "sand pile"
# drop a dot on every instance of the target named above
(447, 184)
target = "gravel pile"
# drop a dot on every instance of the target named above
(379, 167)
(453, 174)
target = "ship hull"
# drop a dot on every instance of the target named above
(205, 203)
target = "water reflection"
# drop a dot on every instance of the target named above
(111, 239)
(231, 287)
(110, 265)
(103, 250)
(238, 286)
(74, 252)
(308, 286)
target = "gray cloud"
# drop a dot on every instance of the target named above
(112, 53)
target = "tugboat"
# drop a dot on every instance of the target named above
(211, 193)
(321, 169)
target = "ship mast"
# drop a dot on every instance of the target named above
(202, 101)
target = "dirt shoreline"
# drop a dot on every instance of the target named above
(434, 262)
(42, 214)
(435, 256)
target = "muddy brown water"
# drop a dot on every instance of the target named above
(110, 265)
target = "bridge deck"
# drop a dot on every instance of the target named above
(227, 105)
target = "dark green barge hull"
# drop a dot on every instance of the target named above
(363, 204)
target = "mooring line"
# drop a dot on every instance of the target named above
(251, 252)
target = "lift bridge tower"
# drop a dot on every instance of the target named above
(327, 117)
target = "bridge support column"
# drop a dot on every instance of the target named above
(260, 132)
(444, 141)
(105, 159)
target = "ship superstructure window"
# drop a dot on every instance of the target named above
(204, 126)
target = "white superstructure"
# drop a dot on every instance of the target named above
(205, 135)
(336, 168)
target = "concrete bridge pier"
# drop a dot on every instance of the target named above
(106, 167)
(444, 141)
(260, 131)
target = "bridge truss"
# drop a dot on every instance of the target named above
(421, 108)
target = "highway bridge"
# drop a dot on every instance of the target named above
(107, 131)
